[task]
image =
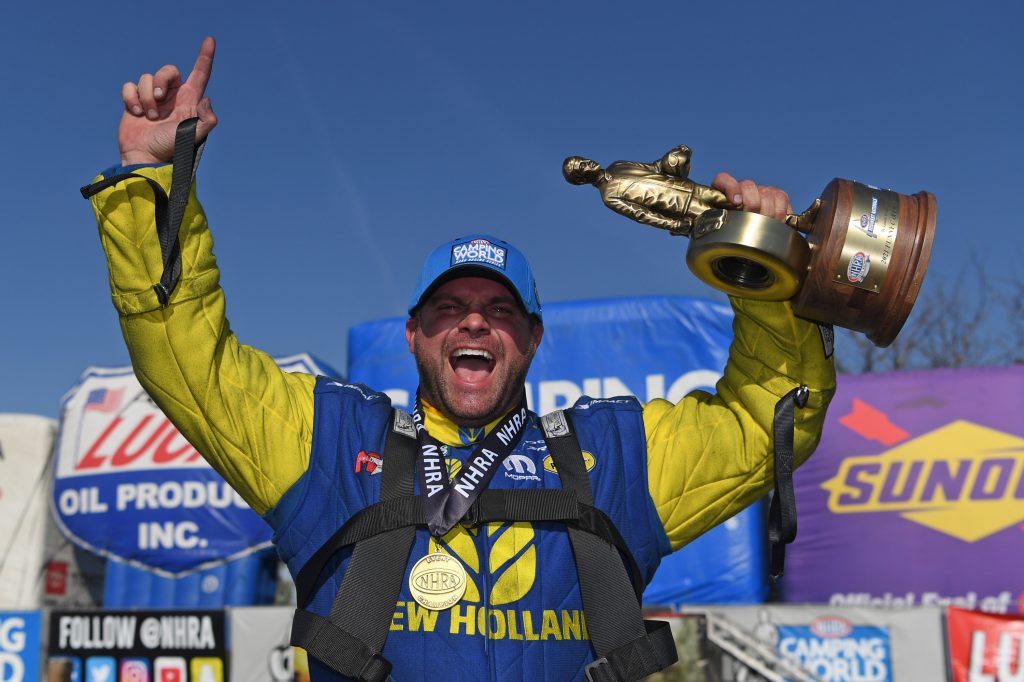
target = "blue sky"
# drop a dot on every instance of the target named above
(356, 136)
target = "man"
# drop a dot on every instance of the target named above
(467, 593)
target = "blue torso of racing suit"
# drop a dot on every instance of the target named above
(521, 616)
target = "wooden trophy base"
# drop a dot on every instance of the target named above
(869, 253)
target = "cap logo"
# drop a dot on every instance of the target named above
(479, 251)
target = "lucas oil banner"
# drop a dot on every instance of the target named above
(128, 486)
(657, 347)
(915, 496)
(984, 647)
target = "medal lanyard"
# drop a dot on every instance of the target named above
(446, 501)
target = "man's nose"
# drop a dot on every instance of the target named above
(475, 322)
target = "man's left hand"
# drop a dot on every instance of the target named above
(763, 199)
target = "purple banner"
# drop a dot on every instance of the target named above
(916, 494)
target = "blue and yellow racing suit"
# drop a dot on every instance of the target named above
(666, 473)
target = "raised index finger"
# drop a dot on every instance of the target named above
(200, 75)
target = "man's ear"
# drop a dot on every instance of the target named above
(410, 332)
(538, 334)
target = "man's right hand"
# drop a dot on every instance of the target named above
(158, 103)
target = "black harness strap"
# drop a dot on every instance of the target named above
(186, 160)
(382, 517)
(532, 505)
(351, 638)
(782, 511)
(627, 647)
(168, 211)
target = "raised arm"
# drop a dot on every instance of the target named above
(249, 419)
(709, 456)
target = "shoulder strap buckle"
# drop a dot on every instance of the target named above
(376, 669)
(599, 671)
(555, 424)
(472, 516)
(404, 424)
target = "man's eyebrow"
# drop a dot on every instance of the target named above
(445, 296)
(497, 298)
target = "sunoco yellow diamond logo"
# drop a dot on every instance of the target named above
(961, 479)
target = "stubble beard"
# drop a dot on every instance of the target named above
(472, 408)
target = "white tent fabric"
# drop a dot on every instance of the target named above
(26, 441)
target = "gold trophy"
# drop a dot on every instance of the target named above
(856, 258)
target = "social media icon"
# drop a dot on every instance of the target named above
(100, 669)
(207, 670)
(64, 669)
(169, 669)
(134, 670)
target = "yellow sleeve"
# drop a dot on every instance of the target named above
(250, 420)
(709, 456)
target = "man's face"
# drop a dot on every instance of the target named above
(473, 345)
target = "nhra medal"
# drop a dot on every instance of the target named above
(437, 581)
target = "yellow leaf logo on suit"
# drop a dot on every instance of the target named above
(511, 565)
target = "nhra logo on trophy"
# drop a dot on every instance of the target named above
(856, 258)
(857, 270)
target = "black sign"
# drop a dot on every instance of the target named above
(168, 646)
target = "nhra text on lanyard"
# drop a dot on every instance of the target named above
(445, 502)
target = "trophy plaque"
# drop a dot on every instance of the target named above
(856, 258)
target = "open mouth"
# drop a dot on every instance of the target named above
(472, 364)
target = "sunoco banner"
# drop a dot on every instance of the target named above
(127, 485)
(658, 347)
(19, 646)
(984, 647)
(916, 494)
(167, 646)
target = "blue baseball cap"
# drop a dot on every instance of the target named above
(481, 255)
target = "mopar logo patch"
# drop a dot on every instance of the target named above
(859, 266)
(520, 468)
(479, 251)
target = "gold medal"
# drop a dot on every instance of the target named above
(437, 581)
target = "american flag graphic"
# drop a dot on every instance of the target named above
(104, 399)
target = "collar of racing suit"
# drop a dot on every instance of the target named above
(448, 432)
